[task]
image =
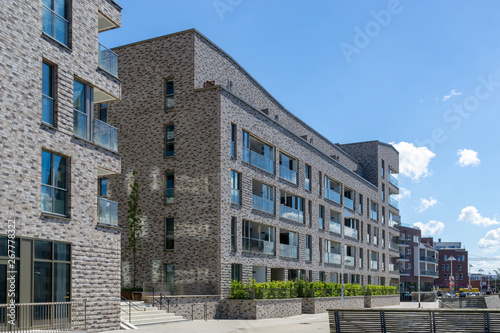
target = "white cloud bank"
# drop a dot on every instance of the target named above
(490, 242)
(468, 157)
(403, 193)
(426, 204)
(430, 228)
(413, 161)
(450, 95)
(470, 214)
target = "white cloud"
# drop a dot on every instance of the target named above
(491, 241)
(430, 228)
(470, 214)
(413, 161)
(452, 93)
(403, 193)
(426, 204)
(468, 157)
(487, 266)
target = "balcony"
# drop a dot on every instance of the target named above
(393, 246)
(349, 261)
(258, 160)
(288, 174)
(55, 26)
(429, 259)
(332, 195)
(404, 271)
(288, 251)
(374, 264)
(393, 269)
(291, 214)
(108, 60)
(429, 273)
(404, 242)
(393, 180)
(350, 232)
(107, 212)
(404, 257)
(335, 227)
(349, 203)
(262, 204)
(235, 196)
(308, 254)
(393, 223)
(333, 258)
(393, 202)
(258, 246)
(105, 135)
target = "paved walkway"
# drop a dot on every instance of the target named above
(305, 323)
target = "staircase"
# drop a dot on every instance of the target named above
(142, 314)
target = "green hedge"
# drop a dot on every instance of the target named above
(301, 288)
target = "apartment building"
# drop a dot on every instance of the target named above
(418, 259)
(55, 83)
(234, 186)
(453, 261)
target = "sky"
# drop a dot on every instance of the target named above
(423, 75)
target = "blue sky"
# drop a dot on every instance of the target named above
(424, 75)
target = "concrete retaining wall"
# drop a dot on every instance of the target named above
(189, 307)
(260, 308)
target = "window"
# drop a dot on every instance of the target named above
(308, 247)
(374, 260)
(350, 252)
(103, 187)
(360, 204)
(335, 222)
(445, 257)
(233, 140)
(320, 179)
(383, 238)
(461, 276)
(169, 96)
(309, 211)
(307, 178)
(458, 258)
(332, 190)
(382, 169)
(235, 187)
(257, 153)
(262, 197)
(320, 246)
(368, 233)
(322, 276)
(447, 267)
(258, 238)
(55, 20)
(463, 257)
(291, 207)
(169, 277)
(459, 267)
(333, 252)
(169, 233)
(383, 262)
(445, 276)
(360, 258)
(52, 272)
(234, 223)
(321, 217)
(82, 107)
(54, 184)
(375, 236)
(409, 266)
(236, 272)
(48, 94)
(374, 210)
(169, 140)
(383, 215)
(170, 187)
(351, 227)
(443, 266)
(103, 112)
(409, 251)
(415, 239)
(349, 198)
(288, 168)
(383, 192)
(289, 244)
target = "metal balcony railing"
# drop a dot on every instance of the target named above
(107, 212)
(105, 135)
(108, 60)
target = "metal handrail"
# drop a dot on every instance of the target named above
(161, 299)
(130, 305)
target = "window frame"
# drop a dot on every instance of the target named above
(307, 177)
(88, 110)
(52, 91)
(169, 191)
(169, 142)
(66, 19)
(168, 237)
(53, 181)
(169, 96)
(236, 187)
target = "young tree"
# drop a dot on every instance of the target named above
(134, 223)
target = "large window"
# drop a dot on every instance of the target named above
(291, 207)
(54, 184)
(169, 233)
(169, 144)
(289, 244)
(258, 238)
(333, 254)
(236, 272)
(169, 277)
(55, 20)
(332, 190)
(234, 223)
(48, 94)
(262, 197)
(235, 187)
(288, 168)
(82, 106)
(169, 193)
(335, 222)
(169, 95)
(351, 228)
(257, 153)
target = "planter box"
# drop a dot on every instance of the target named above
(321, 304)
(381, 301)
(260, 308)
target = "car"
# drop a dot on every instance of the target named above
(405, 297)
(462, 294)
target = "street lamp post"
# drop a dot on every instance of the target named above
(450, 259)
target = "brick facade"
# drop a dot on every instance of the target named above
(202, 165)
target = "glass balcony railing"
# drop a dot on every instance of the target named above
(349, 261)
(335, 227)
(373, 264)
(333, 258)
(404, 271)
(108, 60)
(107, 212)
(291, 214)
(263, 204)
(429, 273)
(235, 196)
(350, 232)
(260, 161)
(258, 246)
(332, 195)
(105, 135)
(289, 251)
(429, 259)
(349, 203)
(288, 174)
(393, 202)
(393, 246)
(393, 180)
(374, 215)
(393, 223)
(308, 254)
(55, 26)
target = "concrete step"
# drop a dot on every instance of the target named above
(142, 314)
(142, 322)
